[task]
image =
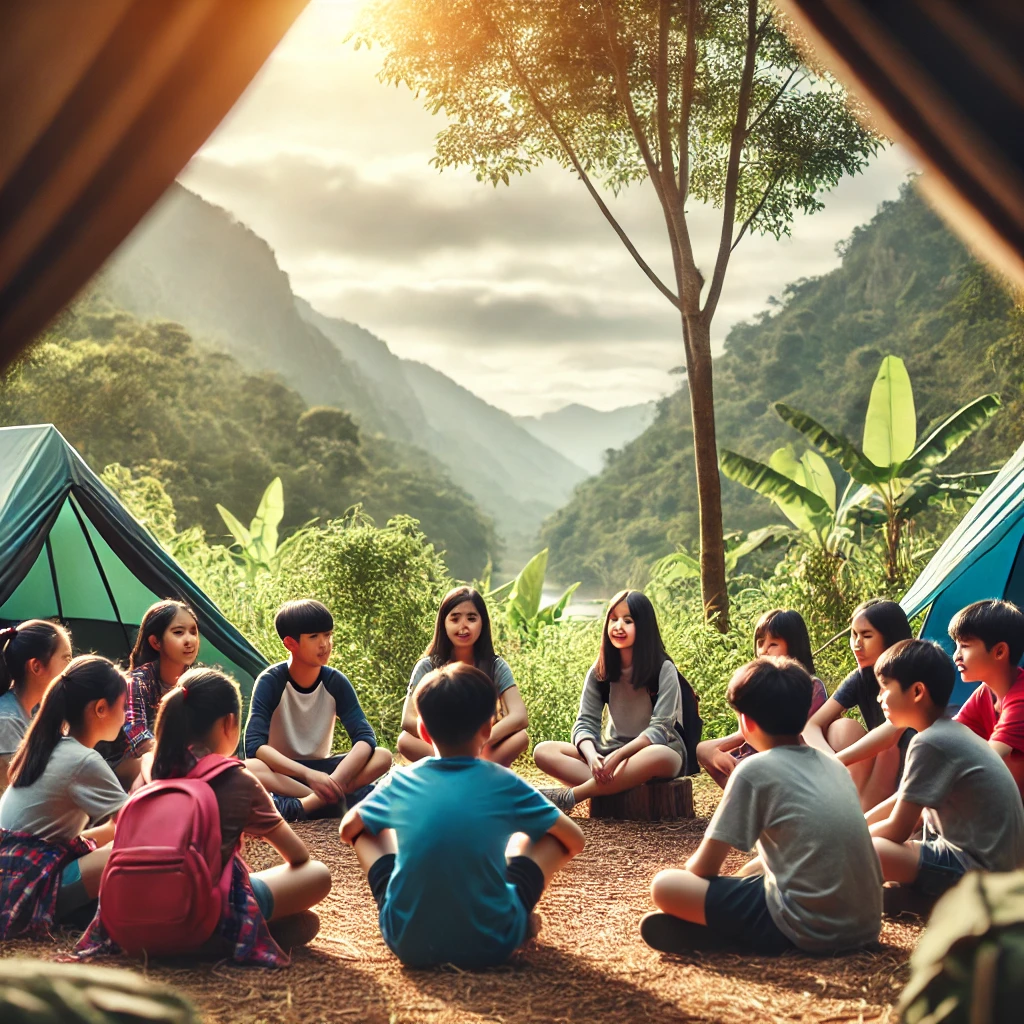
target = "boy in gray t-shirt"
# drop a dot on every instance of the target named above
(969, 802)
(816, 884)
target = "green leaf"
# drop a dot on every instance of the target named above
(951, 433)
(853, 461)
(235, 528)
(680, 565)
(890, 427)
(264, 526)
(524, 600)
(553, 612)
(500, 593)
(818, 477)
(801, 506)
(755, 540)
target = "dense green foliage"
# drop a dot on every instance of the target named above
(143, 395)
(907, 287)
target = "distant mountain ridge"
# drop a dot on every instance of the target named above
(583, 434)
(192, 262)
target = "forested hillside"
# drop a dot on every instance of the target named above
(143, 394)
(905, 286)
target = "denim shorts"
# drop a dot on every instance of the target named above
(737, 909)
(940, 866)
(264, 897)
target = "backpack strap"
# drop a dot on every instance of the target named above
(209, 767)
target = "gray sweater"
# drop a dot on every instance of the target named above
(630, 712)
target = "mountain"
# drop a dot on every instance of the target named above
(192, 262)
(905, 286)
(583, 435)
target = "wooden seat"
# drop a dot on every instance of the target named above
(653, 801)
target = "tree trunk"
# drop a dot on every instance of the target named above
(709, 483)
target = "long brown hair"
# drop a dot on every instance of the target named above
(36, 638)
(441, 647)
(87, 679)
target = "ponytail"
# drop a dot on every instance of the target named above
(86, 680)
(155, 623)
(36, 638)
(187, 714)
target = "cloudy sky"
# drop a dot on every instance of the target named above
(521, 294)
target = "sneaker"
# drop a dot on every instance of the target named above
(289, 807)
(561, 796)
(670, 934)
(296, 929)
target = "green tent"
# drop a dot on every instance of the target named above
(70, 550)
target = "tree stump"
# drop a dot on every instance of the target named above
(653, 801)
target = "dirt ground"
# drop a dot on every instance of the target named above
(587, 965)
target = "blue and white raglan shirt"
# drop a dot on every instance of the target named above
(299, 723)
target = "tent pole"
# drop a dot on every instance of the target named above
(53, 578)
(99, 568)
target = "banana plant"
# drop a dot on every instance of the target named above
(258, 545)
(897, 477)
(522, 597)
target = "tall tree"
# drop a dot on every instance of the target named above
(707, 99)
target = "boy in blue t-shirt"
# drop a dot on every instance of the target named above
(290, 730)
(434, 838)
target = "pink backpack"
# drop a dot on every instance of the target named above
(164, 888)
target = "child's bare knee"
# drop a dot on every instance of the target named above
(320, 880)
(660, 884)
(541, 753)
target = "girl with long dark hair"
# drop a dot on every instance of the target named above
(32, 654)
(56, 817)
(780, 633)
(638, 681)
(202, 716)
(874, 755)
(166, 646)
(462, 632)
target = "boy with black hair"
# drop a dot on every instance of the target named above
(973, 817)
(816, 884)
(292, 713)
(457, 850)
(989, 638)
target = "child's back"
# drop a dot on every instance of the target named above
(823, 884)
(449, 899)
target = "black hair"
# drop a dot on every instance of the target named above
(454, 701)
(887, 617)
(991, 622)
(35, 638)
(919, 661)
(441, 647)
(775, 693)
(648, 649)
(306, 616)
(787, 625)
(155, 623)
(87, 679)
(187, 713)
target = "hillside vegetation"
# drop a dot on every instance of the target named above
(906, 286)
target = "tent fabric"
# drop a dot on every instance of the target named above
(71, 550)
(982, 558)
(102, 104)
(946, 78)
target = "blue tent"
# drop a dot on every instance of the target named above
(982, 558)
(71, 551)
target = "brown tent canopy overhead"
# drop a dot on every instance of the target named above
(945, 77)
(102, 103)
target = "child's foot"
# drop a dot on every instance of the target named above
(670, 934)
(295, 930)
(561, 796)
(289, 807)
(335, 810)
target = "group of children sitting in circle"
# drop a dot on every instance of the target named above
(126, 804)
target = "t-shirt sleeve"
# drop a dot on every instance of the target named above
(503, 677)
(529, 812)
(136, 725)
(11, 732)
(848, 692)
(349, 712)
(420, 669)
(927, 775)
(375, 810)
(588, 721)
(1010, 725)
(263, 817)
(266, 695)
(94, 788)
(663, 715)
(738, 818)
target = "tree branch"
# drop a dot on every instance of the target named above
(774, 100)
(732, 174)
(686, 104)
(661, 90)
(757, 210)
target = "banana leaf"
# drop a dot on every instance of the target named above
(951, 433)
(860, 468)
(890, 426)
(263, 528)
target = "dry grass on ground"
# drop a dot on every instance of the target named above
(588, 965)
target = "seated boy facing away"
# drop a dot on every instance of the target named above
(457, 850)
(291, 722)
(816, 884)
(989, 638)
(973, 817)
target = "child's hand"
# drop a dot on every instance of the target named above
(351, 827)
(324, 786)
(595, 762)
(611, 762)
(724, 762)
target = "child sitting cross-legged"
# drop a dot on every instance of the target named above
(457, 850)
(973, 817)
(290, 729)
(815, 885)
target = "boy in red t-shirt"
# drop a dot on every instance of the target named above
(989, 639)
